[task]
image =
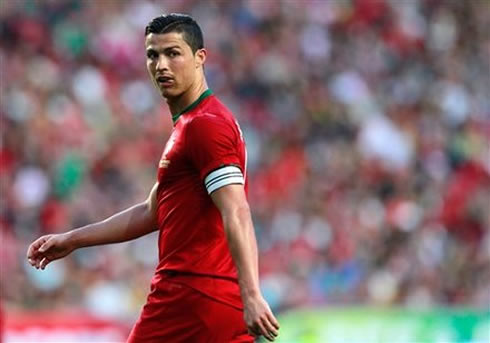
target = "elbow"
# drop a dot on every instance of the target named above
(149, 214)
(237, 211)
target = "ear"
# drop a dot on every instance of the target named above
(200, 57)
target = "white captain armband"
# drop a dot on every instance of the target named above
(223, 176)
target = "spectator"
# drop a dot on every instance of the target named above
(367, 125)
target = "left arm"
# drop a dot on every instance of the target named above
(213, 147)
(237, 221)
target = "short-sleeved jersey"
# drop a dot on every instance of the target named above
(205, 152)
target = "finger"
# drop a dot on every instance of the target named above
(39, 261)
(269, 337)
(46, 245)
(254, 330)
(34, 247)
(30, 252)
(273, 320)
(44, 263)
(270, 328)
(31, 261)
(263, 331)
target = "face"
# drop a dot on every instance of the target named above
(172, 66)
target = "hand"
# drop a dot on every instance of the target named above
(49, 248)
(259, 318)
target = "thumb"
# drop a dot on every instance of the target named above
(46, 245)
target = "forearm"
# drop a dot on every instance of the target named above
(232, 203)
(129, 224)
(243, 247)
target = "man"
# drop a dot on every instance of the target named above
(205, 288)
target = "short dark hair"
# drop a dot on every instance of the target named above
(181, 23)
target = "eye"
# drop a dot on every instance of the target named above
(151, 55)
(173, 53)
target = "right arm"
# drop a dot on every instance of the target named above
(129, 224)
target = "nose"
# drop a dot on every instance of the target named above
(162, 63)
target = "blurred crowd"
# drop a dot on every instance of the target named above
(367, 125)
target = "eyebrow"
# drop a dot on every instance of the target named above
(151, 49)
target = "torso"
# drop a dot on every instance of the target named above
(191, 237)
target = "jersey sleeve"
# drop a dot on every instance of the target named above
(212, 148)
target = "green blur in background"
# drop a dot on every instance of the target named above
(365, 325)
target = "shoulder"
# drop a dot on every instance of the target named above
(213, 119)
(215, 110)
(210, 122)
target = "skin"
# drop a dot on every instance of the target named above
(168, 55)
(237, 221)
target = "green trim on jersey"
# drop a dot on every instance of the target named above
(203, 96)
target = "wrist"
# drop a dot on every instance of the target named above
(251, 293)
(72, 240)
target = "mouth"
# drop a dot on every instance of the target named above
(165, 81)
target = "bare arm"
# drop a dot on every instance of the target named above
(233, 206)
(129, 224)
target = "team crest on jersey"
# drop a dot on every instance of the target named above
(164, 163)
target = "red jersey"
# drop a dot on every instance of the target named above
(205, 152)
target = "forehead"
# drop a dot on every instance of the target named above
(163, 40)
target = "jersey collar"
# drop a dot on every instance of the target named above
(203, 96)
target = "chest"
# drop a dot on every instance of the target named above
(173, 162)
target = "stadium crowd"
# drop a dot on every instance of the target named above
(367, 125)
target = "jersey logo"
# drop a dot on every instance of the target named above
(164, 163)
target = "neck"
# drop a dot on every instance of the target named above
(179, 103)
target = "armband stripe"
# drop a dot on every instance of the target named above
(223, 176)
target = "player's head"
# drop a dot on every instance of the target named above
(180, 23)
(174, 53)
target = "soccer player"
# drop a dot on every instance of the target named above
(206, 284)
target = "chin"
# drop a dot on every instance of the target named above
(170, 93)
